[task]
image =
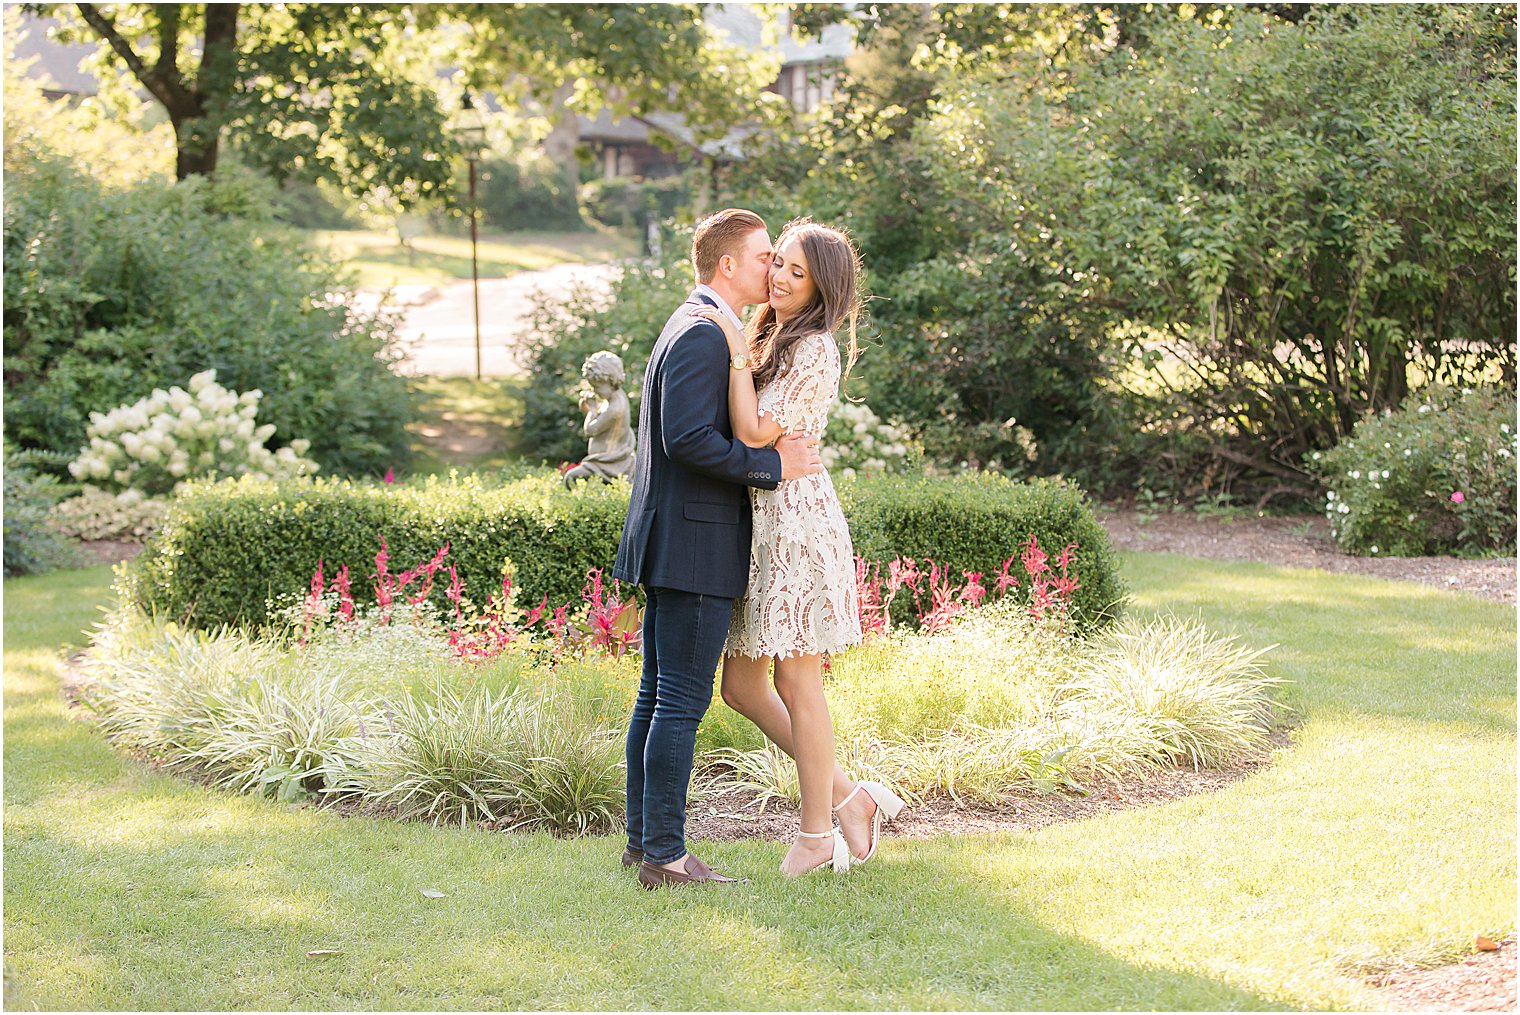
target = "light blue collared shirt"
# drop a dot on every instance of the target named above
(728, 311)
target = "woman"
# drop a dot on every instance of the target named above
(801, 601)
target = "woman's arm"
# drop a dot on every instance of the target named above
(743, 406)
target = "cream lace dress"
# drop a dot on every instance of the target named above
(801, 598)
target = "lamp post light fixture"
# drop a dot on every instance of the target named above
(470, 131)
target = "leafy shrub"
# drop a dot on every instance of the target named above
(1297, 282)
(1437, 476)
(227, 549)
(98, 514)
(158, 442)
(975, 521)
(34, 544)
(110, 294)
(628, 204)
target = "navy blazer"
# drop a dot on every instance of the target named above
(688, 524)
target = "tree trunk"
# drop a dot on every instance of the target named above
(196, 148)
(564, 135)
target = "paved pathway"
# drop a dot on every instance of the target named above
(438, 332)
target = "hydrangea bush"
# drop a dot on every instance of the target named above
(859, 442)
(160, 441)
(1437, 476)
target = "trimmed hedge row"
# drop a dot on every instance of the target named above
(228, 548)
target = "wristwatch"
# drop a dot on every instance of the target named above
(739, 361)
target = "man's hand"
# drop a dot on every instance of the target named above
(799, 456)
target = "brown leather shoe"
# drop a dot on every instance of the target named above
(654, 876)
(632, 857)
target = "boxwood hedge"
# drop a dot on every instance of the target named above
(226, 549)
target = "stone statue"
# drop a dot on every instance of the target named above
(610, 452)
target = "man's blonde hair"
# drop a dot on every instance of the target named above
(721, 233)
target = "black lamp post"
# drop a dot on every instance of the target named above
(470, 130)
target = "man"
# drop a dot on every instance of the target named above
(687, 537)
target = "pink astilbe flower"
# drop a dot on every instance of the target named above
(344, 589)
(384, 582)
(314, 604)
(944, 604)
(873, 610)
(1005, 580)
(973, 592)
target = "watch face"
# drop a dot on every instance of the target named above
(740, 361)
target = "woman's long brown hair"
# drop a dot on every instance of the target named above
(835, 267)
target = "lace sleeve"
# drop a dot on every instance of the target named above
(808, 388)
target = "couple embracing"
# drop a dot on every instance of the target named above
(737, 537)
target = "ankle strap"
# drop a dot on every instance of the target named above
(840, 805)
(816, 835)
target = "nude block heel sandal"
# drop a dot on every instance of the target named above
(888, 806)
(840, 861)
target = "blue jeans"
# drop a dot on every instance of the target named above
(683, 641)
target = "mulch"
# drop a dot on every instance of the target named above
(1298, 541)
(1484, 981)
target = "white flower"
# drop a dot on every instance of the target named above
(1504, 428)
(301, 445)
(202, 379)
(1504, 452)
(190, 415)
(1374, 549)
(1408, 452)
(1315, 456)
(1355, 474)
(1343, 509)
(1330, 495)
(179, 399)
(1424, 408)
(1385, 473)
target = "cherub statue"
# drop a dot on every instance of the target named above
(610, 452)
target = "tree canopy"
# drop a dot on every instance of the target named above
(351, 93)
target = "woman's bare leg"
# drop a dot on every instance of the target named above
(747, 690)
(799, 683)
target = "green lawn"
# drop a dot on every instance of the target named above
(1386, 832)
(467, 424)
(379, 260)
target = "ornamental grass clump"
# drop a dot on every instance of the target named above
(998, 704)
(1175, 692)
(158, 442)
(1437, 476)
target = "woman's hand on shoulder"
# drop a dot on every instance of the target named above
(736, 342)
